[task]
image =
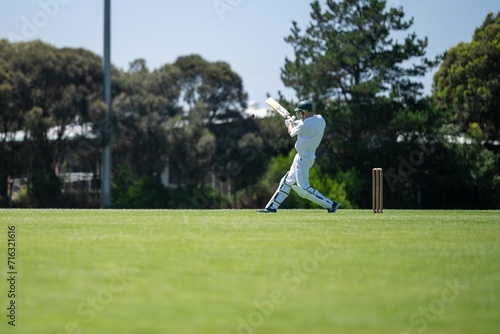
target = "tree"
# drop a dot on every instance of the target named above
(182, 111)
(468, 81)
(50, 89)
(214, 84)
(192, 146)
(10, 122)
(360, 78)
(348, 53)
(189, 112)
(213, 102)
(143, 105)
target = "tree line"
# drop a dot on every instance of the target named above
(181, 139)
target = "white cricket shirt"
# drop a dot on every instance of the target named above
(309, 134)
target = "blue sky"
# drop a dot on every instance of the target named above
(248, 34)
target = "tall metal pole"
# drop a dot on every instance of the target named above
(108, 128)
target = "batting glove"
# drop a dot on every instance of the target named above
(287, 121)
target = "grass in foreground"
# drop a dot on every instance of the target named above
(298, 271)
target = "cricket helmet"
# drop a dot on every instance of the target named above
(304, 106)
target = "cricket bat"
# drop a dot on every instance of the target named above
(278, 108)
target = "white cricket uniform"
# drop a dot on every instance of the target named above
(309, 133)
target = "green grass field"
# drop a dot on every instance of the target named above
(235, 271)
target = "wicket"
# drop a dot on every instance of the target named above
(377, 190)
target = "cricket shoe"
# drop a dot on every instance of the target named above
(334, 207)
(267, 210)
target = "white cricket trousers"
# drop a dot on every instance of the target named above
(299, 171)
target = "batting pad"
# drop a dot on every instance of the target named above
(280, 194)
(315, 196)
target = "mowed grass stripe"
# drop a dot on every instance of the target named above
(235, 271)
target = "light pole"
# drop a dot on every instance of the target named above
(109, 127)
